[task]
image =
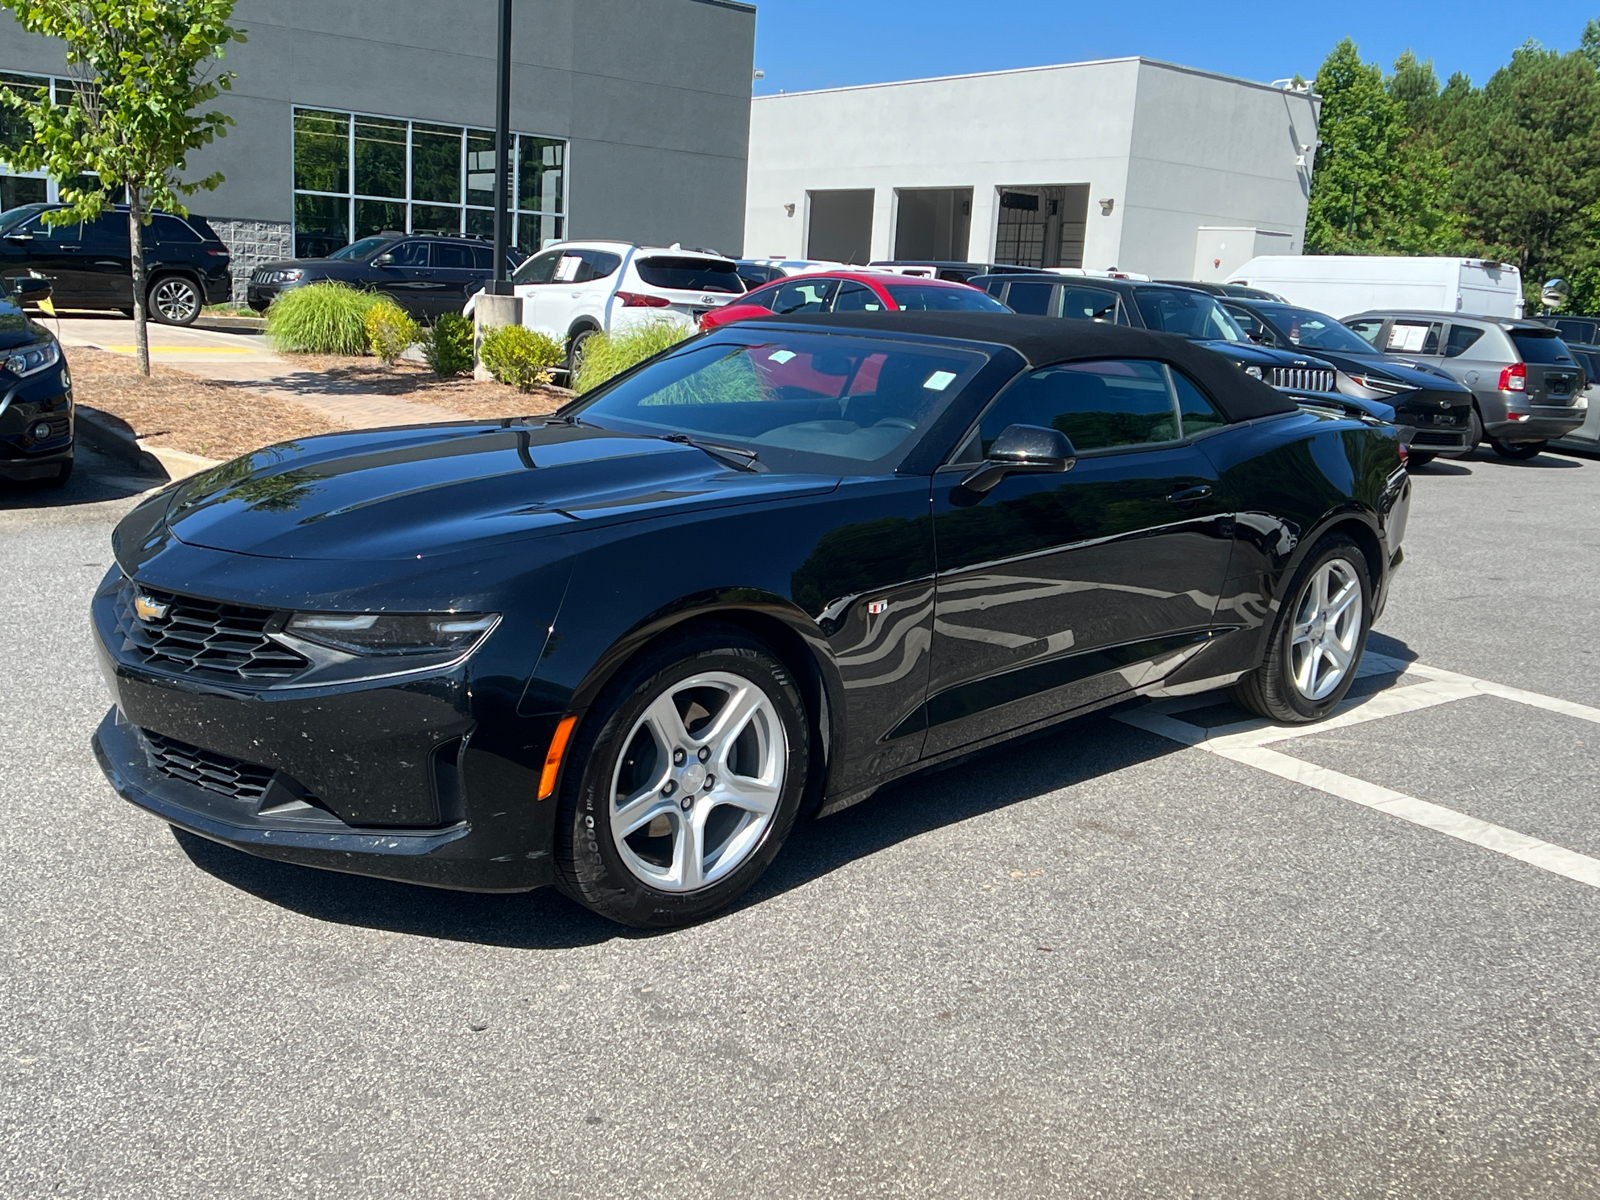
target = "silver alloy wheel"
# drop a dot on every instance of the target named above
(698, 781)
(1327, 628)
(176, 300)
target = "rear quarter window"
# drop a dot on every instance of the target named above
(690, 274)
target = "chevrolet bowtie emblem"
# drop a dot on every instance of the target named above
(147, 609)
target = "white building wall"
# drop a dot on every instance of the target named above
(1209, 150)
(1173, 149)
(1048, 125)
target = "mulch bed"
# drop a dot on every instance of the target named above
(183, 412)
(414, 381)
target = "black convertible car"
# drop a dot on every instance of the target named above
(623, 648)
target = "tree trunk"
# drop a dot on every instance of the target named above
(141, 330)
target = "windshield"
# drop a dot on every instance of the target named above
(805, 402)
(13, 217)
(1192, 315)
(920, 297)
(361, 249)
(1313, 330)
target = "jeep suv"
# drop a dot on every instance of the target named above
(90, 263)
(1527, 389)
(425, 274)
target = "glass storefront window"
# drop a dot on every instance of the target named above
(412, 177)
(17, 190)
(380, 157)
(321, 151)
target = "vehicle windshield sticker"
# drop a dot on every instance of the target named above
(567, 268)
(939, 380)
(781, 356)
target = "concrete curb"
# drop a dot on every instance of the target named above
(231, 324)
(112, 436)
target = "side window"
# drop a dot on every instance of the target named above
(171, 230)
(483, 258)
(804, 296)
(1092, 304)
(1096, 404)
(856, 297)
(70, 233)
(1197, 412)
(1031, 298)
(1367, 329)
(541, 268)
(1415, 337)
(408, 254)
(1461, 339)
(597, 264)
(106, 234)
(449, 254)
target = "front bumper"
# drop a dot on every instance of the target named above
(259, 295)
(45, 398)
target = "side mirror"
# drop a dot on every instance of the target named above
(31, 289)
(1023, 450)
(19, 237)
(383, 260)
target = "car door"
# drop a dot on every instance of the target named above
(56, 252)
(403, 273)
(455, 274)
(580, 285)
(1056, 591)
(529, 281)
(106, 261)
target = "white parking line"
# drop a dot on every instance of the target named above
(1248, 742)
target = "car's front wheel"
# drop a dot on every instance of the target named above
(575, 349)
(175, 300)
(683, 782)
(1517, 451)
(1318, 639)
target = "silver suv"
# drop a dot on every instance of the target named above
(1527, 389)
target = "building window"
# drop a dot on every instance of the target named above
(357, 175)
(31, 187)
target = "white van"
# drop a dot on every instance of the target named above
(1350, 283)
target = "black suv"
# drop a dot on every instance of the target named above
(90, 263)
(1165, 307)
(1433, 411)
(425, 274)
(36, 415)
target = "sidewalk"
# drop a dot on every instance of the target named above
(247, 358)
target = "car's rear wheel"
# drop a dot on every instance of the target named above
(175, 300)
(575, 346)
(683, 782)
(1517, 451)
(1318, 639)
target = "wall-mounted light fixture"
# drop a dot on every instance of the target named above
(789, 208)
(1106, 206)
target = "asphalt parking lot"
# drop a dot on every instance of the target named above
(1152, 953)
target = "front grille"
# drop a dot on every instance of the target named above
(204, 638)
(1302, 379)
(206, 769)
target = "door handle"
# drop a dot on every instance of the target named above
(1187, 496)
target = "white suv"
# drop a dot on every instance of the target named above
(574, 290)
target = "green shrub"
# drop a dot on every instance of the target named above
(321, 318)
(448, 345)
(609, 354)
(390, 331)
(519, 356)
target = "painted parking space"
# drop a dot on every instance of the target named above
(1385, 687)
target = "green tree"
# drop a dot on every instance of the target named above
(141, 69)
(1377, 189)
(1415, 87)
(1526, 164)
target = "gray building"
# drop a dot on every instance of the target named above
(353, 116)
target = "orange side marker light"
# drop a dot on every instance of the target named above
(552, 761)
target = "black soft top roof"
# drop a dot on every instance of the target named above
(1044, 341)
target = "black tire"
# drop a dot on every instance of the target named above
(1413, 459)
(575, 345)
(1270, 690)
(1474, 429)
(127, 312)
(591, 867)
(174, 300)
(1517, 451)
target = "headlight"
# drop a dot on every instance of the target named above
(393, 633)
(1253, 372)
(30, 360)
(1386, 387)
(293, 275)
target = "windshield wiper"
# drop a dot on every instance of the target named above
(733, 456)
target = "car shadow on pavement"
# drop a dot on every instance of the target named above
(96, 478)
(1059, 757)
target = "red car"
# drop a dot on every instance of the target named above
(853, 291)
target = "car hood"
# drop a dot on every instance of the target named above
(1261, 356)
(306, 264)
(1419, 375)
(426, 491)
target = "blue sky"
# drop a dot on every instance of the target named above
(804, 44)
